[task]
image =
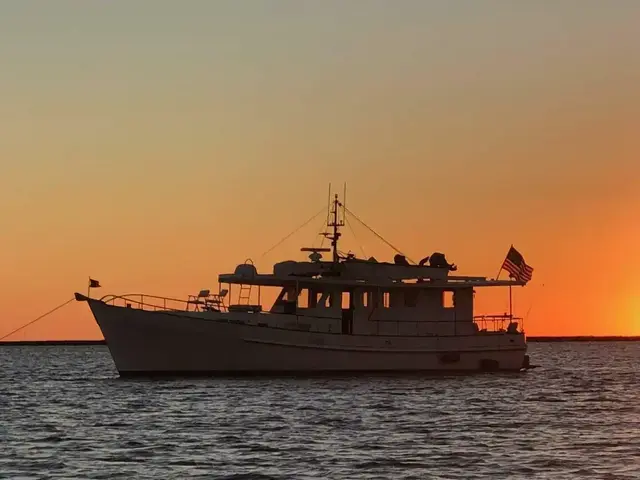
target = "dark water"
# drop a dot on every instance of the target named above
(65, 414)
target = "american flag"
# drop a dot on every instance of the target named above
(516, 266)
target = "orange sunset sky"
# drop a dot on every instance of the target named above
(155, 144)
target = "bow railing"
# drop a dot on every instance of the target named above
(194, 303)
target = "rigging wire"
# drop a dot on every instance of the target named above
(323, 230)
(534, 297)
(321, 233)
(37, 319)
(326, 222)
(293, 232)
(354, 236)
(377, 234)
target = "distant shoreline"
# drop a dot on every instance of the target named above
(584, 338)
(16, 343)
(533, 339)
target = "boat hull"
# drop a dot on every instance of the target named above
(146, 343)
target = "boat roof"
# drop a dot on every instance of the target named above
(342, 270)
(302, 282)
(380, 276)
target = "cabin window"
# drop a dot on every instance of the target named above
(447, 299)
(346, 300)
(371, 299)
(324, 300)
(303, 298)
(289, 294)
(385, 299)
(367, 298)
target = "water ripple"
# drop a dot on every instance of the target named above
(64, 413)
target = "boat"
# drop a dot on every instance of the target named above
(340, 315)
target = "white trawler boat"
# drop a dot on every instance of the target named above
(342, 315)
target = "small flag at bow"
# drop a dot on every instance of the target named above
(94, 283)
(516, 266)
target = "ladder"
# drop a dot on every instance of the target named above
(244, 296)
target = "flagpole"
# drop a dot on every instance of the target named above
(502, 266)
(510, 304)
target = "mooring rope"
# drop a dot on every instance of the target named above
(37, 319)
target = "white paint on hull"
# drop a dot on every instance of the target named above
(150, 342)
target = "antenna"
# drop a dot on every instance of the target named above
(344, 203)
(329, 202)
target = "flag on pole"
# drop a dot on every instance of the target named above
(94, 283)
(516, 266)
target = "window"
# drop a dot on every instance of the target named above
(324, 300)
(385, 299)
(346, 300)
(447, 299)
(303, 298)
(289, 294)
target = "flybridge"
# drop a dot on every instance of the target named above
(357, 273)
(346, 269)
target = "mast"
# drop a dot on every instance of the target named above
(335, 224)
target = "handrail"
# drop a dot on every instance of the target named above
(502, 316)
(110, 297)
(214, 301)
(497, 321)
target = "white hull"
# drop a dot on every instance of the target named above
(145, 342)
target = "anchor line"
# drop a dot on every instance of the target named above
(37, 319)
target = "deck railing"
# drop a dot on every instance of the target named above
(143, 301)
(485, 323)
(497, 323)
